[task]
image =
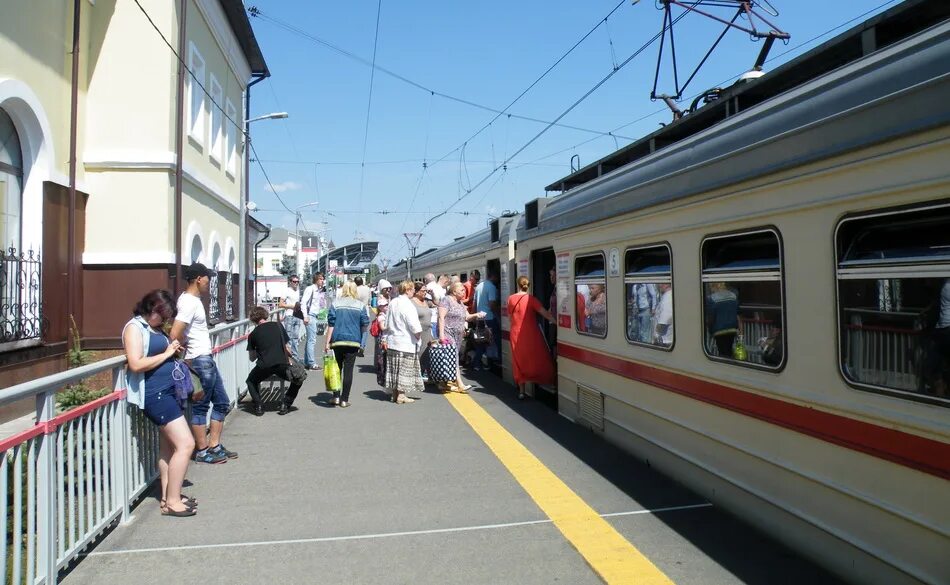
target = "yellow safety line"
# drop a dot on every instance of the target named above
(605, 550)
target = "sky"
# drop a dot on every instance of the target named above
(365, 155)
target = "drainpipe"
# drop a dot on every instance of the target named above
(245, 197)
(71, 264)
(179, 147)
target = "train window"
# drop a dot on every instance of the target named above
(648, 282)
(742, 309)
(590, 286)
(894, 301)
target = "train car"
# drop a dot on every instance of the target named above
(489, 251)
(799, 376)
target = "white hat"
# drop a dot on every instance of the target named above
(383, 283)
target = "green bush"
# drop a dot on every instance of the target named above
(77, 394)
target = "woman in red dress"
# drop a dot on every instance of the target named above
(530, 356)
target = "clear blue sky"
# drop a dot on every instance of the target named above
(485, 52)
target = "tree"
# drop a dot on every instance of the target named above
(307, 274)
(288, 265)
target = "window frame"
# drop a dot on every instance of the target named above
(633, 280)
(730, 275)
(876, 270)
(216, 135)
(230, 139)
(196, 121)
(599, 280)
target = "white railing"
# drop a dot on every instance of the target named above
(72, 475)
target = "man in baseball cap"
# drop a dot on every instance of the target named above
(191, 330)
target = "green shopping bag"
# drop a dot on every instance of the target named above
(331, 373)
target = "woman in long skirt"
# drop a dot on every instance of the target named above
(530, 356)
(402, 332)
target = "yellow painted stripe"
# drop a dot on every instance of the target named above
(605, 550)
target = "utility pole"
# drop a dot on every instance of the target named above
(412, 238)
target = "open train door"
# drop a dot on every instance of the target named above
(542, 287)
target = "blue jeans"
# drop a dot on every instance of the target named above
(215, 396)
(292, 327)
(314, 329)
(645, 322)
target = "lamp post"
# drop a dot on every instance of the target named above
(245, 199)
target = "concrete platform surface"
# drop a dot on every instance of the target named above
(385, 493)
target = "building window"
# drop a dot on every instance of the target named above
(893, 272)
(743, 309)
(275, 265)
(196, 95)
(214, 306)
(590, 287)
(648, 281)
(216, 139)
(230, 139)
(20, 271)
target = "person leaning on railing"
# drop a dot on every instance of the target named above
(151, 363)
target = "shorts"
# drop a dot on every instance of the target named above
(161, 405)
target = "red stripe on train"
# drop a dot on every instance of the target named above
(920, 453)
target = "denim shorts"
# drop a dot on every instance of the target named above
(161, 405)
(215, 397)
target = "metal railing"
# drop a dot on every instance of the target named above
(72, 475)
(21, 316)
(890, 351)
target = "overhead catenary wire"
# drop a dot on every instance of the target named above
(561, 115)
(255, 12)
(369, 103)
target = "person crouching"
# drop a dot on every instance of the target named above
(269, 346)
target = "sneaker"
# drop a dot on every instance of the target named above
(361, 352)
(207, 456)
(344, 404)
(284, 409)
(258, 410)
(222, 450)
(335, 401)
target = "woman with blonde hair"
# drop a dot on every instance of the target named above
(402, 333)
(529, 353)
(346, 322)
(452, 318)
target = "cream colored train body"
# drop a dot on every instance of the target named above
(815, 224)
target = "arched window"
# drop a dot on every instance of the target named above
(196, 249)
(11, 184)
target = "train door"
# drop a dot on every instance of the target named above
(542, 287)
(493, 267)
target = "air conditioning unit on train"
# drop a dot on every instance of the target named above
(532, 212)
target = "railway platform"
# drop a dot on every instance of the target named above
(476, 488)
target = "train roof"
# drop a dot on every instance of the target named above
(881, 31)
(878, 94)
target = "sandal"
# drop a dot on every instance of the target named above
(405, 400)
(179, 513)
(186, 500)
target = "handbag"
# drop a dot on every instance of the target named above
(298, 312)
(482, 334)
(374, 329)
(331, 373)
(184, 387)
(297, 371)
(443, 362)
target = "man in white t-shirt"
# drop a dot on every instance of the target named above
(191, 330)
(663, 316)
(315, 306)
(291, 324)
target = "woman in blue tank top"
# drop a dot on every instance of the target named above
(151, 355)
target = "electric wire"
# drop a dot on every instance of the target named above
(369, 103)
(224, 113)
(255, 12)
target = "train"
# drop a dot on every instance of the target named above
(801, 225)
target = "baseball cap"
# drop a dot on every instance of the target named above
(383, 283)
(197, 270)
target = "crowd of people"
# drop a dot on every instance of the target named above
(167, 342)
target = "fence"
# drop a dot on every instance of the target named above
(72, 475)
(891, 353)
(21, 317)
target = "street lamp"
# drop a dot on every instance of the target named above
(299, 239)
(245, 200)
